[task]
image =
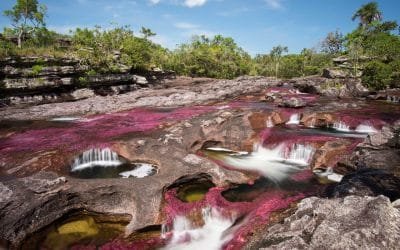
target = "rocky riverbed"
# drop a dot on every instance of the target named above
(226, 164)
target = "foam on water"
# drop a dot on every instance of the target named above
(211, 236)
(64, 119)
(142, 170)
(294, 119)
(366, 128)
(96, 157)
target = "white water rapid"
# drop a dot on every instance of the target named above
(341, 126)
(294, 119)
(275, 164)
(366, 128)
(211, 236)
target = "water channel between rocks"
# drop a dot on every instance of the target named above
(276, 153)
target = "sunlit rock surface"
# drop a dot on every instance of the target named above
(346, 223)
(252, 140)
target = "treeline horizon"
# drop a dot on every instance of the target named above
(109, 50)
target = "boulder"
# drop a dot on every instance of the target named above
(329, 154)
(141, 80)
(293, 102)
(317, 120)
(367, 182)
(335, 73)
(82, 94)
(345, 223)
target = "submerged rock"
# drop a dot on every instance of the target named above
(344, 223)
(367, 182)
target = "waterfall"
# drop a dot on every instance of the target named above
(96, 157)
(341, 126)
(270, 123)
(302, 154)
(164, 231)
(276, 164)
(294, 119)
(313, 123)
(212, 235)
(366, 128)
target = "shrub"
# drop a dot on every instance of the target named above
(377, 75)
(36, 70)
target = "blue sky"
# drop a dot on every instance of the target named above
(256, 25)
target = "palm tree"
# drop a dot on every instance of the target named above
(367, 14)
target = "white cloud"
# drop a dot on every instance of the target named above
(274, 4)
(186, 3)
(154, 2)
(63, 29)
(194, 3)
(185, 25)
(198, 32)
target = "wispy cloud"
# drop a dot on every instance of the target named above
(233, 12)
(185, 25)
(194, 3)
(186, 3)
(154, 2)
(274, 4)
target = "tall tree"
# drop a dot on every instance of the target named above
(276, 54)
(26, 15)
(333, 43)
(367, 14)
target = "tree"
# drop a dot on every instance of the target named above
(276, 54)
(26, 16)
(367, 14)
(333, 43)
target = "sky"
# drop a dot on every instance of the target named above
(255, 25)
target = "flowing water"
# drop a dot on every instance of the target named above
(194, 215)
(294, 119)
(276, 163)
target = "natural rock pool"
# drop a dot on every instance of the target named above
(200, 176)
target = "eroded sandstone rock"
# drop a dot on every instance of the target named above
(344, 223)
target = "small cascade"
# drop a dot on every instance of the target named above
(212, 235)
(270, 123)
(394, 99)
(294, 119)
(96, 157)
(164, 231)
(313, 123)
(341, 126)
(301, 153)
(275, 164)
(366, 129)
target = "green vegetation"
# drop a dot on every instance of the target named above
(26, 16)
(218, 57)
(36, 70)
(372, 48)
